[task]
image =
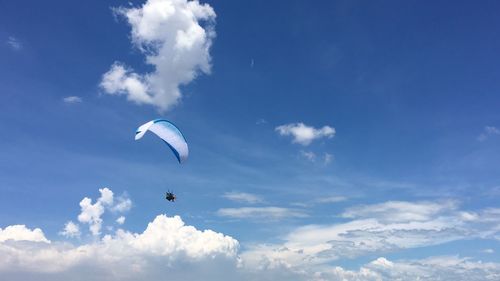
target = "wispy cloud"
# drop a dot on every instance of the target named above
(327, 158)
(331, 199)
(14, 43)
(123, 204)
(400, 211)
(446, 268)
(303, 134)
(380, 228)
(243, 197)
(261, 121)
(324, 159)
(309, 155)
(488, 131)
(266, 213)
(175, 36)
(321, 200)
(72, 99)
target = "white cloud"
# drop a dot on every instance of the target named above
(120, 80)
(124, 204)
(446, 268)
(165, 246)
(14, 43)
(91, 213)
(400, 211)
(243, 197)
(488, 251)
(378, 228)
(106, 196)
(326, 199)
(331, 199)
(168, 246)
(487, 132)
(303, 134)
(266, 213)
(72, 99)
(120, 220)
(167, 235)
(175, 36)
(22, 233)
(71, 230)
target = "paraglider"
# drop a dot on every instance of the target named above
(172, 136)
(170, 196)
(169, 133)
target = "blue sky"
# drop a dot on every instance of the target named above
(396, 165)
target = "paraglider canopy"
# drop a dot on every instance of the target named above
(169, 133)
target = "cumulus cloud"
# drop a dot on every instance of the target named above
(14, 43)
(243, 197)
(487, 132)
(266, 213)
(72, 99)
(168, 246)
(22, 233)
(303, 134)
(120, 220)
(166, 242)
(175, 36)
(71, 229)
(91, 212)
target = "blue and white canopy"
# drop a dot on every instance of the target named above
(169, 133)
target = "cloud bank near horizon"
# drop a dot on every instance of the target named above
(169, 246)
